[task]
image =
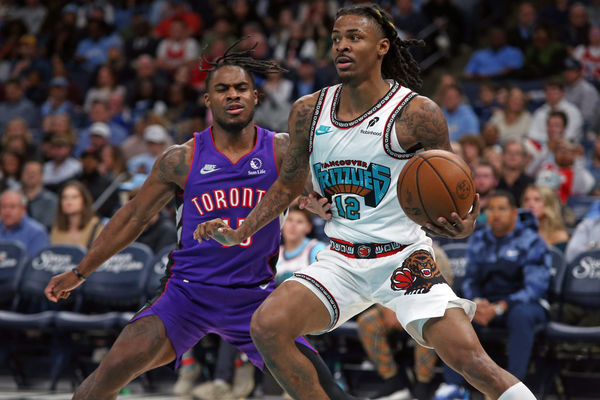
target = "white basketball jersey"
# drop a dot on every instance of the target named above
(356, 165)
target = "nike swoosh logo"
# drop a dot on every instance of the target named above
(205, 170)
(264, 286)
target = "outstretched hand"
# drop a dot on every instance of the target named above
(316, 204)
(457, 229)
(60, 286)
(218, 230)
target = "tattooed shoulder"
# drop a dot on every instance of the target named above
(173, 165)
(281, 145)
(423, 123)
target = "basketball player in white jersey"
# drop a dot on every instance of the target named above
(355, 138)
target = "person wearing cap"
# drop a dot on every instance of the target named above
(15, 105)
(57, 101)
(29, 60)
(62, 166)
(155, 137)
(110, 130)
(580, 92)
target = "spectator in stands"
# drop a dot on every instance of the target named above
(112, 163)
(496, 61)
(447, 18)
(156, 137)
(276, 103)
(585, 237)
(15, 224)
(97, 183)
(106, 83)
(521, 35)
(145, 69)
(589, 55)
(177, 49)
(61, 167)
(566, 172)
(513, 178)
(544, 153)
(490, 136)
(556, 14)
(178, 10)
(306, 80)
(374, 328)
(486, 179)
(508, 273)
(58, 101)
(575, 32)
(545, 206)
(297, 249)
(140, 41)
(76, 222)
(460, 117)
(593, 162)
(29, 60)
(92, 51)
(581, 93)
(101, 125)
(472, 149)
(407, 19)
(41, 203)
(513, 120)
(145, 99)
(11, 165)
(32, 13)
(180, 103)
(160, 231)
(17, 130)
(64, 36)
(544, 56)
(555, 101)
(487, 103)
(16, 105)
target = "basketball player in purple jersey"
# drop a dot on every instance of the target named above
(356, 137)
(208, 288)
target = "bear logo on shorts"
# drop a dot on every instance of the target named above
(417, 274)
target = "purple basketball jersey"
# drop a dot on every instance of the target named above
(219, 188)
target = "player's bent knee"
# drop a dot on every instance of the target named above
(266, 325)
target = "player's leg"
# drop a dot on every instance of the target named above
(463, 352)
(141, 346)
(293, 310)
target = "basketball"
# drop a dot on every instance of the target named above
(433, 184)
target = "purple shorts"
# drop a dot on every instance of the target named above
(191, 310)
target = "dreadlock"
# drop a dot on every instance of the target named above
(398, 64)
(242, 59)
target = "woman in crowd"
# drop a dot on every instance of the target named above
(544, 204)
(76, 223)
(513, 120)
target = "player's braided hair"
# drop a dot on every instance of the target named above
(398, 63)
(242, 59)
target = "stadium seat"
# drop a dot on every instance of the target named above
(30, 310)
(580, 205)
(579, 286)
(13, 256)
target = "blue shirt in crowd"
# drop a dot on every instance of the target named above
(29, 232)
(461, 121)
(487, 62)
(514, 268)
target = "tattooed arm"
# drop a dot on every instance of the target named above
(169, 173)
(289, 184)
(422, 125)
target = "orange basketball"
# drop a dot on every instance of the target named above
(433, 184)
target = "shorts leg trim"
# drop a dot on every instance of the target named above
(330, 299)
